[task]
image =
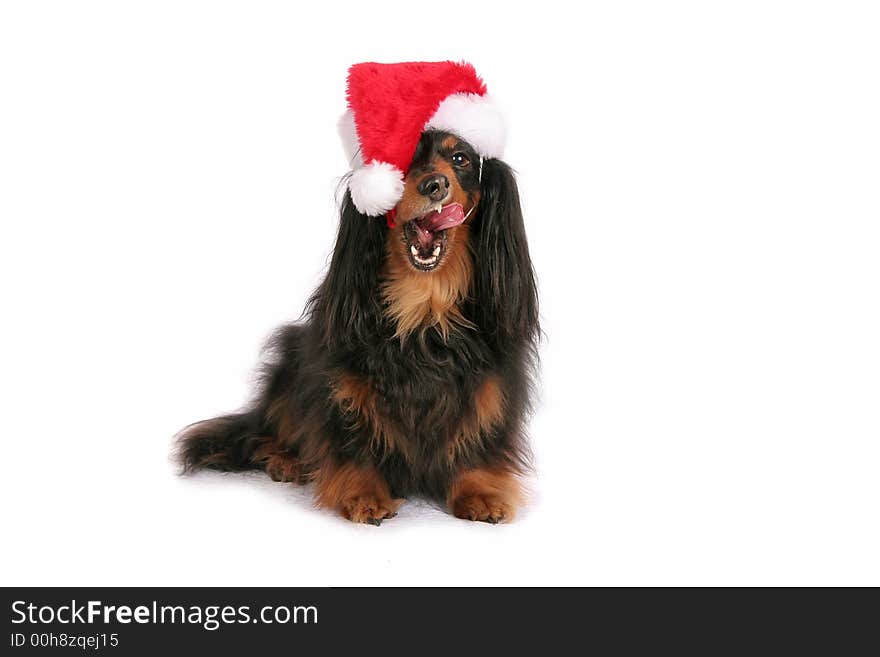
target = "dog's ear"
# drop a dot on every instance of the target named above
(345, 303)
(506, 292)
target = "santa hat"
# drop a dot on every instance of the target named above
(389, 105)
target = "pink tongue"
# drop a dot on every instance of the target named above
(451, 215)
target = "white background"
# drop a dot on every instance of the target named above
(701, 189)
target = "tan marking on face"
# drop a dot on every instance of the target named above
(450, 143)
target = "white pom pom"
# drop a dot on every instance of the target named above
(376, 188)
(476, 119)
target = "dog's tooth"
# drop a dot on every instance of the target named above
(436, 250)
(414, 250)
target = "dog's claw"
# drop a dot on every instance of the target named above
(374, 521)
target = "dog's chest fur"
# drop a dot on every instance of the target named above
(426, 402)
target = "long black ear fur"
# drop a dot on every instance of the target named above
(506, 292)
(345, 301)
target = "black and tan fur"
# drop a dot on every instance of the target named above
(402, 382)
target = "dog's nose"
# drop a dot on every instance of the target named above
(435, 187)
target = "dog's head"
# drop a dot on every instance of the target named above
(456, 256)
(441, 192)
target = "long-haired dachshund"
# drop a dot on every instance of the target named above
(411, 371)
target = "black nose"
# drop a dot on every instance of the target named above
(435, 186)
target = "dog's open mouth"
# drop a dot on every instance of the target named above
(426, 235)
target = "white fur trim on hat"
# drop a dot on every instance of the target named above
(376, 188)
(474, 118)
(348, 134)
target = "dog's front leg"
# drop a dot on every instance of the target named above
(486, 494)
(357, 491)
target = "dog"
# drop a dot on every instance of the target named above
(411, 371)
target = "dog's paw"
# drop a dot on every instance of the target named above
(281, 467)
(369, 508)
(485, 508)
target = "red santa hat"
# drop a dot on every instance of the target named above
(390, 105)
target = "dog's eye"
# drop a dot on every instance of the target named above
(460, 159)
